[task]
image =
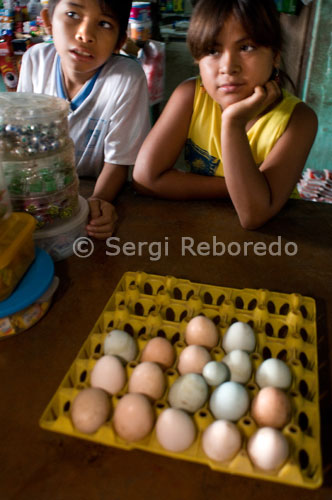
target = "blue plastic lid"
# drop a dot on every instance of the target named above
(32, 286)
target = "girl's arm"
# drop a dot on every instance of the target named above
(154, 173)
(258, 194)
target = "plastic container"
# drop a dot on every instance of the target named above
(41, 176)
(140, 31)
(146, 306)
(32, 125)
(5, 204)
(58, 240)
(32, 297)
(17, 250)
(51, 208)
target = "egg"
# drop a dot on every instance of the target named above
(221, 440)
(192, 359)
(229, 401)
(239, 364)
(147, 378)
(239, 336)
(216, 372)
(108, 374)
(159, 350)
(201, 331)
(189, 392)
(268, 449)
(133, 417)
(271, 407)
(175, 430)
(90, 409)
(121, 344)
(273, 372)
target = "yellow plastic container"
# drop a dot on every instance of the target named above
(147, 305)
(17, 250)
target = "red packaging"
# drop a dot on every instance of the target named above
(8, 68)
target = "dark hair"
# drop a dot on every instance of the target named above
(259, 18)
(119, 8)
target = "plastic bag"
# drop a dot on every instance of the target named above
(152, 58)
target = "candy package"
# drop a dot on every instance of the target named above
(316, 185)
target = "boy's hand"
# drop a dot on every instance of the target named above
(102, 219)
(245, 110)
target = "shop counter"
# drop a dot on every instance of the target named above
(289, 254)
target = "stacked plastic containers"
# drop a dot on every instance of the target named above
(139, 27)
(39, 168)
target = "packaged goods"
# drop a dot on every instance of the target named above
(31, 299)
(17, 250)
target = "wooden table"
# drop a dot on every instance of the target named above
(39, 465)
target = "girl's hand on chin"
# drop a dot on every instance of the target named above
(245, 110)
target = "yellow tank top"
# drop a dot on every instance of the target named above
(203, 145)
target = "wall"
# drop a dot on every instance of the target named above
(317, 83)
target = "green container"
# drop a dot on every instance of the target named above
(165, 5)
(287, 6)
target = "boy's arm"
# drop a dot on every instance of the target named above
(154, 173)
(102, 213)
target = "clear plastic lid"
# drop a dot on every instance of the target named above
(20, 107)
(32, 125)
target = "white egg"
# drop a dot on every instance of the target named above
(121, 344)
(215, 373)
(221, 440)
(239, 364)
(175, 430)
(109, 374)
(274, 372)
(239, 336)
(189, 392)
(229, 401)
(268, 448)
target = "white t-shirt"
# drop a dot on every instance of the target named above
(111, 122)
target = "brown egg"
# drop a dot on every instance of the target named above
(201, 331)
(159, 350)
(193, 359)
(133, 417)
(271, 407)
(90, 410)
(148, 378)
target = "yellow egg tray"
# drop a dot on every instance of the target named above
(148, 305)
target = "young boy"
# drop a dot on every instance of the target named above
(108, 94)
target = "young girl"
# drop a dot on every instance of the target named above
(244, 136)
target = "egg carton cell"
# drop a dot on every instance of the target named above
(148, 306)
